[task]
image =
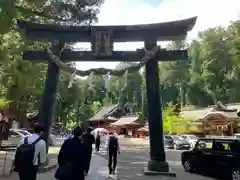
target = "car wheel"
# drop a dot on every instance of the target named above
(236, 174)
(175, 146)
(187, 166)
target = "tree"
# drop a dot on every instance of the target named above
(21, 81)
(172, 123)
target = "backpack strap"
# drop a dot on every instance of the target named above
(25, 140)
(38, 155)
(36, 141)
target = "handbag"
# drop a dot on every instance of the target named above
(64, 171)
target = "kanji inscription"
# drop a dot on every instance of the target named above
(102, 44)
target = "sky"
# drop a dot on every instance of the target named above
(210, 13)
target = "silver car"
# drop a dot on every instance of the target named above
(175, 142)
(190, 138)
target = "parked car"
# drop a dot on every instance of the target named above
(175, 142)
(14, 137)
(217, 157)
(190, 138)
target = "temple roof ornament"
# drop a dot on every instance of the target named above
(221, 107)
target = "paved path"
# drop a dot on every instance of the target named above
(134, 157)
(98, 171)
(6, 160)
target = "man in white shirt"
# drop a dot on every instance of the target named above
(35, 145)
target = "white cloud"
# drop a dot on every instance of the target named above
(118, 12)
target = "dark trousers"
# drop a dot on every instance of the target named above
(88, 160)
(28, 173)
(97, 145)
(112, 160)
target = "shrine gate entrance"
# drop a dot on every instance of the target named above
(102, 39)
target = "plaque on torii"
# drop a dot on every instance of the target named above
(102, 42)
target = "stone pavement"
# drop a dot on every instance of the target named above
(7, 157)
(131, 162)
(98, 171)
(6, 161)
(134, 156)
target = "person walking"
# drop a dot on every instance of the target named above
(98, 141)
(31, 153)
(89, 140)
(71, 158)
(113, 151)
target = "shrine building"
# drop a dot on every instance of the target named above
(216, 120)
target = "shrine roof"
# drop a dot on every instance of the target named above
(126, 120)
(219, 113)
(173, 30)
(103, 113)
(201, 113)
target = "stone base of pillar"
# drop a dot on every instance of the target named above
(158, 168)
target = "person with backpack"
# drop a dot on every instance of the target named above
(89, 140)
(31, 153)
(113, 151)
(72, 158)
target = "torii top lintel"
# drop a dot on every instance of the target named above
(175, 30)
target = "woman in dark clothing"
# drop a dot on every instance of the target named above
(88, 142)
(98, 141)
(72, 152)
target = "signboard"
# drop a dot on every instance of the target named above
(4, 130)
(102, 42)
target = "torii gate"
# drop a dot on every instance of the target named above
(102, 39)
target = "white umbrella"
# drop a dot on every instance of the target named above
(100, 130)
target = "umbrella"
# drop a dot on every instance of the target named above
(101, 130)
(143, 129)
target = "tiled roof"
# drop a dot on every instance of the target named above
(103, 112)
(201, 113)
(126, 120)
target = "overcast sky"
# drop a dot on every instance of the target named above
(119, 12)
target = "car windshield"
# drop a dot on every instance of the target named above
(175, 138)
(193, 137)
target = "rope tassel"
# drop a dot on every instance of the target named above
(106, 80)
(90, 80)
(125, 78)
(72, 79)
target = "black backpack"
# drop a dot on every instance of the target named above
(25, 154)
(113, 143)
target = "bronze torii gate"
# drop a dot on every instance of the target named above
(102, 39)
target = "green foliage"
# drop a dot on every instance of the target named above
(4, 103)
(21, 81)
(174, 124)
(212, 72)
